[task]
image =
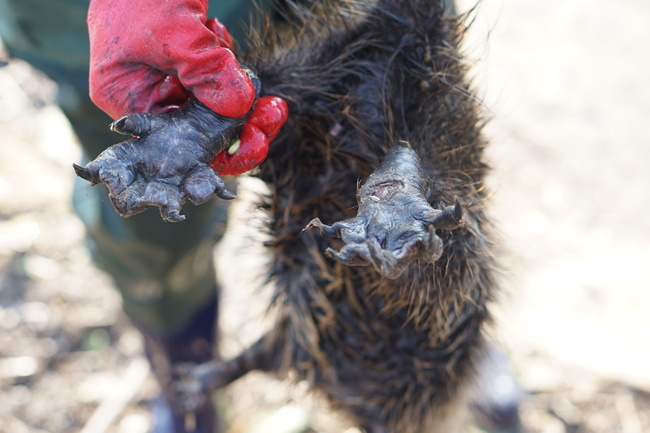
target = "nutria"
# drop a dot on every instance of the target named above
(387, 322)
(393, 351)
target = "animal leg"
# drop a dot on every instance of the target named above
(194, 383)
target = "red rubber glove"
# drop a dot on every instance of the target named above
(146, 55)
(262, 126)
(149, 56)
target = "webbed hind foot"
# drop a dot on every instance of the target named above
(395, 223)
(165, 163)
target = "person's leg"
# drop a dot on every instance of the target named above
(164, 271)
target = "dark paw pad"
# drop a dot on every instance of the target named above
(166, 163)
(395, 224)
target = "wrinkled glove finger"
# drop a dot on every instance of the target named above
(269, 114)
(203, 183)
(261, 128)
(216, 27)
(244, 154)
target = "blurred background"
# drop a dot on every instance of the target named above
(567, 86)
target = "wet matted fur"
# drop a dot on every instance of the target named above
(360, 78)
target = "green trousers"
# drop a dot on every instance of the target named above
(164, 271)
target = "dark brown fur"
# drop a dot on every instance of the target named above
(393, 355)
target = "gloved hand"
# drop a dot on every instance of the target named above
(167, 163)
(150, 56)
(262, 126)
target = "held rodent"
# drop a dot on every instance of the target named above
(389, 326)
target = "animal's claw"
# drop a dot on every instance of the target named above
(449, 218)
(134, 124)
(83, 173)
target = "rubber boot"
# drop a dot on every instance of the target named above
(194, 343)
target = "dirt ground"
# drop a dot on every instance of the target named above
(566, 84)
